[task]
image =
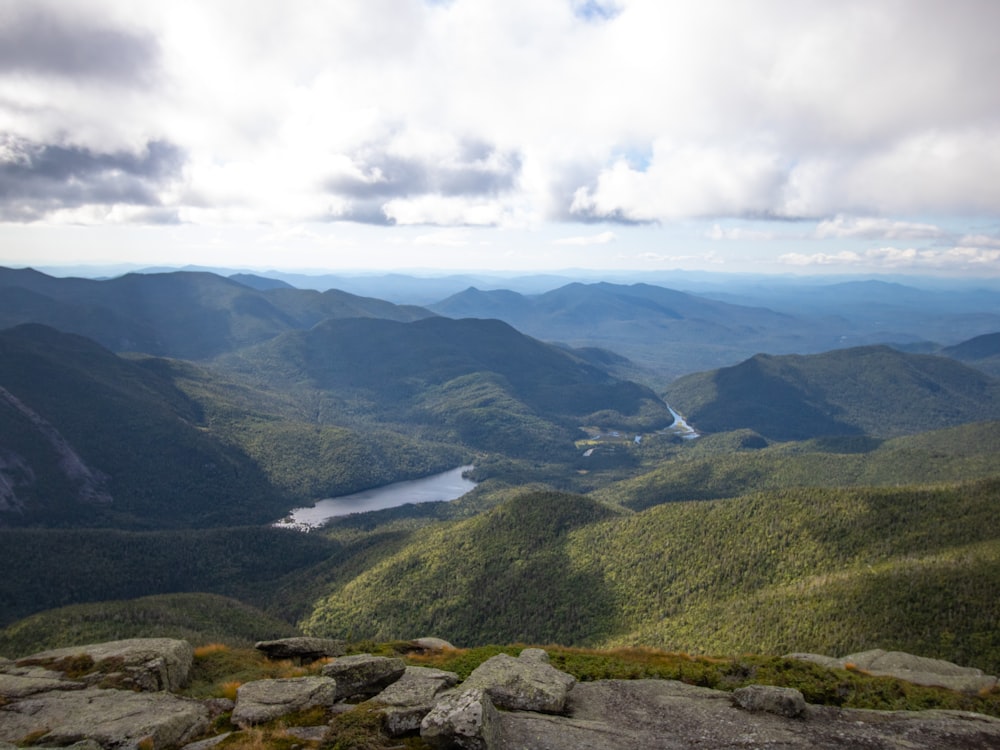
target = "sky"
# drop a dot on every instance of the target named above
(774, 136)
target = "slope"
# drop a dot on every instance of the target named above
(981, 352)
(499, 576)
(712, 468)
(875, 390)
(478, 381)
(89, 438)
(822, 570)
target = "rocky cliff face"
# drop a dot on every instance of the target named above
(15, 472)
(120, 695)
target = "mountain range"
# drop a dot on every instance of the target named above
(838, 498)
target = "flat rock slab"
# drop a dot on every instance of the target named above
(13, 687)
(303, 649)
(139, 663)
(113, 718)
(920, 670)
(261, 701)
(668, 715)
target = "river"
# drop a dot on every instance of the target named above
(681, 427)
(448, 485)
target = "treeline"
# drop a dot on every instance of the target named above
(197, 618)
(48, 568)
(717, 466)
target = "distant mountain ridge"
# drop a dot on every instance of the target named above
(192, 315)
(876, 390)
(668, 331)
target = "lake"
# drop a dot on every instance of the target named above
(448, 485)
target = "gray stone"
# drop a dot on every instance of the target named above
(264, 700)
(408, 700)
(539, 655)
(149, 664)
(206, 744)
(782, 701)
(921, 670)
(669, 715)
(364, 674)
(523, 684)
(303, 649)
(13, 687)
(828, 662)
(431, 644)
(113, 718)
(465, 719)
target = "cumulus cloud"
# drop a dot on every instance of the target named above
(36, 39)
(36, 179)
(467, 113)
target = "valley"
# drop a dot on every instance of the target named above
(649, 467)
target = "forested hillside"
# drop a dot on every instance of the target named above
(90, 439)
(833, 502)
(825, 570)
(877, 391)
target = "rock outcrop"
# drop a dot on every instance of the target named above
(466, 719)
(59, 698)
(920, 670)
(527, 683)
(364, 675)
(113, 718)
(410, 698)
(261, 701)
(111, 693)
(669, 715)
(302, 649)
(147, 664)
(781, 701)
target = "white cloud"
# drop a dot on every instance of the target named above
(841, 227)
(514, 114)
(591, 239)
(739, 234)
(845, 257)
(955, 259)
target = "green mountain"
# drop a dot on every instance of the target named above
(197, 618)
(721, 466)
(981, 352)
(88, 438)
(476, 381)
(823, 570)
(876, 391)
(191, 315)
